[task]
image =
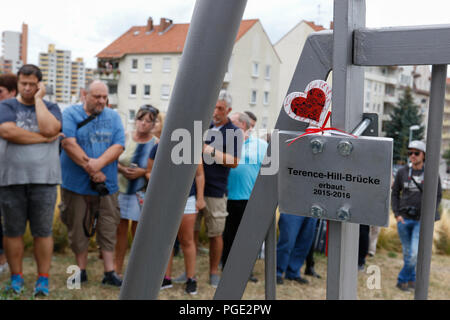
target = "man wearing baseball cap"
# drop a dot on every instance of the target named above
(406, 199)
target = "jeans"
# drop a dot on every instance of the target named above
(294, 243)
(409, 236)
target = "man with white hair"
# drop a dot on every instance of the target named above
(406, 199)
(220, 155)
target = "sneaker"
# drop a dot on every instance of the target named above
(252, 278)
(191, 286)
(361, 267)
(299, 280)
(412, 285)
(403, 286)
(111, 278)
(166, 284)
(311, 272)
(214, 280)
(16, 284)
(181, 279)
(41, 287)
(279, 280)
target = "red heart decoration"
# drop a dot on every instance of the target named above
(311, 107)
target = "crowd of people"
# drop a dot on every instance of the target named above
(103, 172)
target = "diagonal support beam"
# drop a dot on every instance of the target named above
(209, 44)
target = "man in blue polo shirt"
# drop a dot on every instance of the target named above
(220, 154)
(94, 140)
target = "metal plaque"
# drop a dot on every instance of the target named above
(336, 177)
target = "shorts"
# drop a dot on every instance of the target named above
(28, 202)
(190, 206)
(73, 210)
(215, 214)
(130, 207)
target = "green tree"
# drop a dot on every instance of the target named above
(446, 157)
(405, 114)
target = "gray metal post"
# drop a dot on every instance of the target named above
(208, 48)
(270, 260)
(434, 136)
(348, 85)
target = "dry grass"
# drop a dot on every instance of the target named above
(388, 259)
(389, 264)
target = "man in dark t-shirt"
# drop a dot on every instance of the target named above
(220, 154)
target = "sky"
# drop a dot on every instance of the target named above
(87, 27)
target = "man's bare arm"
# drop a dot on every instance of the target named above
(12, 133)
(110, 155)
(75, 152)
(222, 158)
(49, 126)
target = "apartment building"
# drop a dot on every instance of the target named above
(140, 67)
(56, 69)
(78, 80)
(14, 50)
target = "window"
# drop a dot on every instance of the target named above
(266, 98)
(146, 90)
(133, 90)
(268, 72)
(131, 115)
(165, 92)
(167, 64)
(134, 64)
(253, 97)
(112, 88)
(264, 122)
(148, 64)
(255, 70)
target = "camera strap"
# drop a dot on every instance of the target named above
(86, 121)
(91, 215)
(417, 185)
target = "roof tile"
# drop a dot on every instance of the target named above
(137, 40)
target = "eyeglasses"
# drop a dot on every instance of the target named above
(416, 153)
(150, 108)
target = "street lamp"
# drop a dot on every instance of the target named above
(411, 129)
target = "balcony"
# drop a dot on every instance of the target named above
(108, 75)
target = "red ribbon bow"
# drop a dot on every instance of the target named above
(321, 129)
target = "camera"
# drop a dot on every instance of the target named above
(99, 187)
(410, 211)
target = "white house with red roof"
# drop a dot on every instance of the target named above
(140, 67)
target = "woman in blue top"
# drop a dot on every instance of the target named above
(132, 167)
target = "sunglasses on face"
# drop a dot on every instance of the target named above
(416, 153)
